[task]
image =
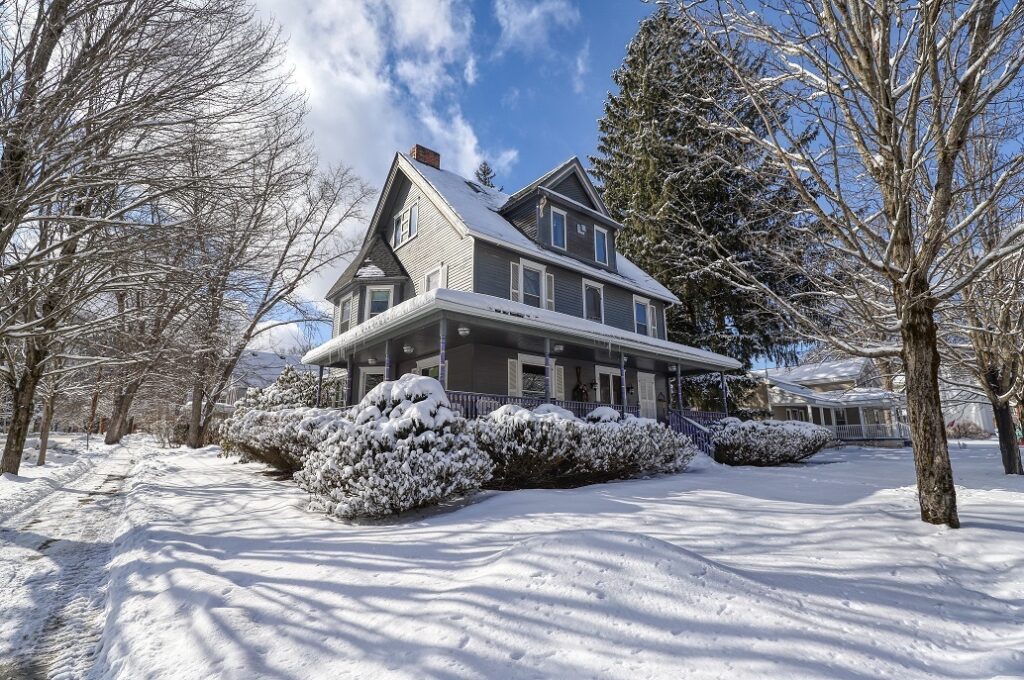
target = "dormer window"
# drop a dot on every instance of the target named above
(378, 301)
(405, 225)
(601, 245)
(558, 222)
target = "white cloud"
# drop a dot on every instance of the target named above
(527, 25)
(382, 75)
(582, 66)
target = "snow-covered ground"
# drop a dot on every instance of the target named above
(816, 570)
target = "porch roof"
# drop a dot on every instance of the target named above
(520, 316)
(856, 396)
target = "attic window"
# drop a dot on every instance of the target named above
(405, 225)
(475, 187)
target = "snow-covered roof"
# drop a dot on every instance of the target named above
(257, 368)
(855, 396)
(477, 206)
(514, 314)
(375, 260)
(821, 372)
(369, 271)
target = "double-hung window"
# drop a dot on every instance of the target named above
(378, 300)
(645, 316)
(345, 315)
(435, 279)
(532, 285)
(601, 245)
(593, 301)
(558, 222)
(405, 225)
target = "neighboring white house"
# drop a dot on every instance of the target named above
(961, 405)
(844, 395)
(257, 369)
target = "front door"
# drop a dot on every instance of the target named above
(648, 393)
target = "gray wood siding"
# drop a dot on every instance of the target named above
(571, 187)
(493, 272)
(524, 217)
(436, 242)
(579, 246)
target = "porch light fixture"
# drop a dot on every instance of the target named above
(463, 331)
(629, 390)
(408, 349)
(371, 361)
(593, 386)
(558, 348)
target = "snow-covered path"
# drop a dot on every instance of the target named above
(53, 570)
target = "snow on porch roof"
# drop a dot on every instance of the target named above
(513, 314)
(825, 371)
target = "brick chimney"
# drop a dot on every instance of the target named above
(426, 156)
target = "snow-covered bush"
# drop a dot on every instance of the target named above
(966, 430)
(766, 442)
(404, 448)
(282, 438)
(551, 447)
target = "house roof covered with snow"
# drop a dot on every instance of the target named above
(476, 209)
(821, 372)
(375, 260)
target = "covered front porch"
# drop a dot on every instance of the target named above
(489, 351)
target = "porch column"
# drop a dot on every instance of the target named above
(810, 414)
(725, 393)
(679, 387)
(863, 428)
(319, 386)
(622, 378)
(349, 382)
(442, 369)
(547, 369)
(387, 359)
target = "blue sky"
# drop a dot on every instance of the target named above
(518, 82)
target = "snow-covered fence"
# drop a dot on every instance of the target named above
(402, 447)
(766, 442)
(549, 446)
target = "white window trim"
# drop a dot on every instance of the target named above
(429, 362)
(587, 283)
(341, 304)
(399, 215)
(565, 229)
(369, 290)
(534, 360)
(607, 253)
(442, 270)
(523, 264)
(615, 372)
(365, 371)
(650, 309)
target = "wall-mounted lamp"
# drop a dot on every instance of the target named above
(558, 348)
(629, 390)
(463, 331)
(593, 386)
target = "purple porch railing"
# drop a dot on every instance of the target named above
(695, 424)
(475, 404)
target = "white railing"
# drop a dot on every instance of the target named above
(882, 431)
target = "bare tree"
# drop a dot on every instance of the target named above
(893, 91)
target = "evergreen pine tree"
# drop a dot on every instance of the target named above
(485, 175)
(664, 170)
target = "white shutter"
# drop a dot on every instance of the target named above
(652, 312)
(514, 284)
(444, 276)
(513, 378)
(337, 317)
(549, 291)
(560, 383)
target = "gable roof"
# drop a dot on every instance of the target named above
(375, 260)
(553, 177)
(822, 372)
(474, 210)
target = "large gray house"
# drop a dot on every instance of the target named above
(504, 298)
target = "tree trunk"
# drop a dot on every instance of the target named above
(195, 432)
(44, 428)
(935, 489)
(1007, 438)
(23, 400)
(118, 427)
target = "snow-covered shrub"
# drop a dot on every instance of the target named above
(282, 438)
(551, 447)
(404, 448)
(966, 430)
(766, 442)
